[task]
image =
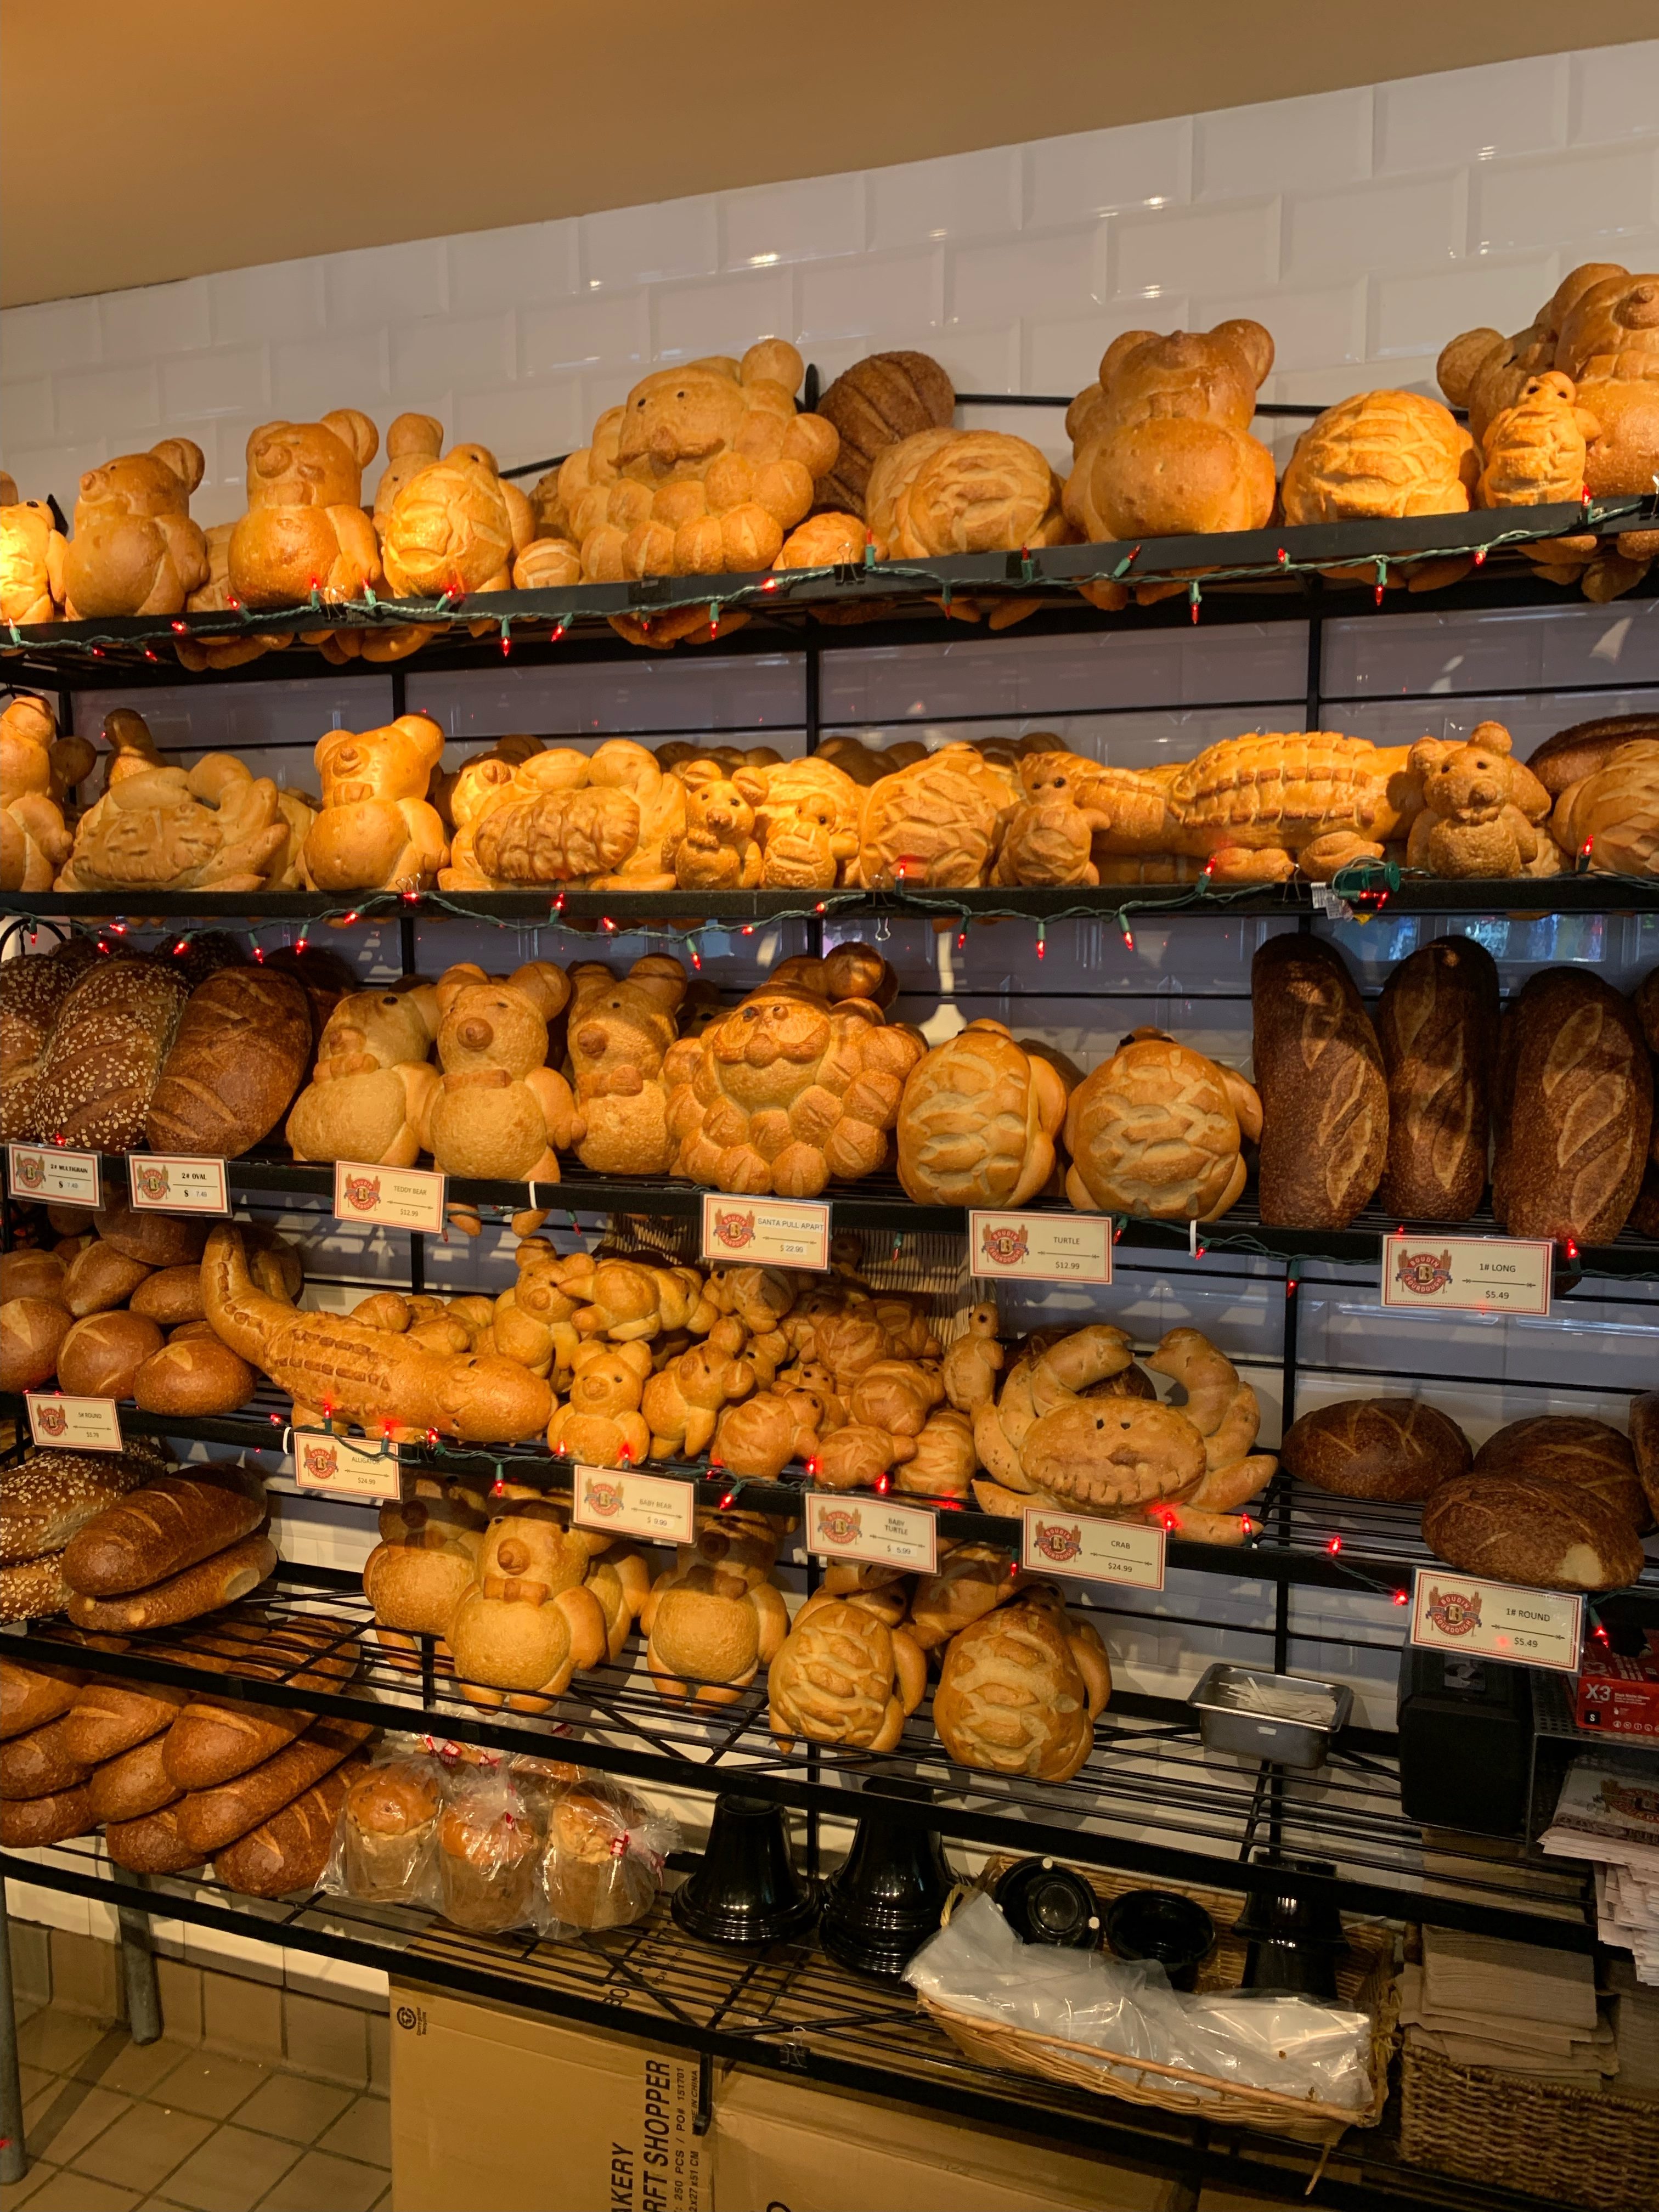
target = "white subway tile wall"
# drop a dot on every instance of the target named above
(1363, 227)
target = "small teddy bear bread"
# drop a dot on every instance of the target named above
(34, 840)
(387, 1827)
(619, 1032)
(136, 551)
(601, 1424)
(1534, 452)
(1483, 812)
(528, 1622)
(306, 532)
(376, 831)
(709, 1631)
(844, 1676)
(424, 1563)
(719, 851)
(1156, 1130)
(368, 1093)
(499, 1113)
(977, 1123)
(1020, 1689)
(1380, 454)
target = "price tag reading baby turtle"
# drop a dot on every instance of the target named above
(874, 1529)
(779, 1232)
(656, 1507)
(396, 1198)
(1473, 1275)
(73, 1424)
(177, 1182)
(1042, 1248)
(345, 1467)
(1496, 1620)
(1127, 1551)
(48, 1173)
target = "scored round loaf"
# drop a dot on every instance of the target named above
(1526, 1528)
(1645, 1445)
(1584, 747)
(55, 1493)
(978, 1121)
(110, 1039)
(238, 1057)
(40, 1764)
(32, 1333)
(170, 1296)
(289, 1850)
(1012, 1697)
(108, 1718)
(195, 1375)
(874, 404)
(220, 1580)
(26, 1823)
(1645, 1000)
(1396, 1448)
(100, 1355)
(34, 1692)
(1437, 1025)
(32, 1589)
(100, 1279)
(1570, 1448)
(160, 1240)
(31, 1275)
(168, 1524)
(1154, 1131)
(134, 1782)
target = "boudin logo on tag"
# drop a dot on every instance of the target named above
(790, 1232)
(393, 1198)
(1496, 1620)
(877, 1530)
(1060, 1543)
(51, 1173)
(177, 1182)
(1042, 1248)
(658, 1507)
(1470, 1274)
(82, 1424)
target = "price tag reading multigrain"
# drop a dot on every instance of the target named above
(1470, 1274)
(394, 1198)
(1126, 1552)
(779, 1232)
(1496, 1620)
(73, 1424)
(621, 1503)
(872, 1529)
(1042, 1248)
(48, 1173)
(346, 1466)
(177, 1182)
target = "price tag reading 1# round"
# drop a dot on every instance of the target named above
(73, 1424)
(394, 1198)
(1125, 1551)
(1452, 1611)
(54, 1177)
(1041, 1248)
(779, 1232)
(849, 1526)
(345, 1467)
(1470, 1274)
(654, 1506)
(177, 1182)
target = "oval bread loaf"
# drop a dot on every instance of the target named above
(228, 1576)
(100, 1356)
(239, 1056)
(1437, 1025)
(215, 1739)
(166, 1526)
(160, 1240)
(1572, 1110)
(1526, 1528)
(170, 1296)
(1645, 1445)
(1569, 1448)
(1376, 1448)
(195, 1376)
(32, 1333)
(108, 1046)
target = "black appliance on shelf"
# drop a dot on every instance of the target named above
(1466, 1726)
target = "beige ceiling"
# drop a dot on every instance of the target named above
(148, 142)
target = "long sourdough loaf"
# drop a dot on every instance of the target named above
(228, 1576)
(288, 1850)
(238, 1058)
(136, 1782)
(108, 1718)
(163, 1527)
(1526, 1528)
(1437, 1025)
(1572, 1110)
(110, 1039)
(39, 1763)
(29, 1822)
(34, 1692)
(215, 1739)
(210, 1819)
(1324, 1094)
(151, 1843)
(367, 1375)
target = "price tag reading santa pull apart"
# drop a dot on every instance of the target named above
(177, 1182)
(1055, 1542)
(73, 1424)
(345, 1467)
(1452, 1611)
(873, 1530)
(1473, 1274)
(54, 1177)
(782, 1232)
(1041, 1248)
(394, 1198)
(656, 1507)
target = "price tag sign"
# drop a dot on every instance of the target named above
(622, 1504)
(177, 1182)
(778, 1232)
(1125, 1551)
(49, 1173)
(874, 1529)
(63, 1423)
(396, 1198)
(1470, 1274)
(1040, 1247)
(1496, 1620)
(345, 1467)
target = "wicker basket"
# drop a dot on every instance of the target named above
(1567, 2146)
(1364, 1981)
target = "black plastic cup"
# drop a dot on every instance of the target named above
(744, 1890)
(1046, 1903)
(1161, 1927)
(884, 1900)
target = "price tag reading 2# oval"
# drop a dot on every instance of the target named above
(1126, 1552)
(177, 1182)
(1452, 1611)
(840, 1526)
(1041, 1248)
(1473, 1274)
(653, 1506)
(778, 1232)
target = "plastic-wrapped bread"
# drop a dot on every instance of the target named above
(1438, 1027)
(1572, 1110)
(1324, 1094)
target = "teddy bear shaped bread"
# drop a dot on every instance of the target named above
(808, 816)
(1020, 1689)
(682, 1402)
(499, 1112)
(212, 827)
(369, 1092)
(1158, 1131)
(1484, 812)
(937, 823)
(35, 838)
(618, 1034)
(600, 1425)
(528, 1621)
(424, 1563)
(716, 1617)
(719, 851)
(1380, 454)
(612, 819)
(32, 549)
(135, 550)
(843, 1676)
(306, 535)
(377, 830)
(978, 1120)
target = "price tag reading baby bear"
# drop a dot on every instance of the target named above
(653, 1506)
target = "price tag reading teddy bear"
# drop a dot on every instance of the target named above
(655, 1507)
(874, 1529)
(346, 1466)
(394, 1198)
(177, 1182)
(1091, 1551)
(1452, 1611)
(1040, 1247)
(49, 1175)
(73, 1424)
(779, 1232)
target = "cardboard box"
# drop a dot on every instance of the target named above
(1620, 1695)
(496, 2109)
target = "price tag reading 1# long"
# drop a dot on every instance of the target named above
(73, 1424)
(395, 1198)
(1125, 1551)
(621, 1503)
(48, 1173)
(1042, 1248)
(1471, 1274)
(873, 1530)
(345, 1467)
(780, 1232)
(177, 1182)
(1496, 1620)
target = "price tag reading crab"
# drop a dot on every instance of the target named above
(656, 1507)
(779, 1232)
(1473, 1274)
(1453, 1612)
(51, 1175)
(1040, 1247)
(1055, 1543)
(874, 1529)
(395, 1198)
(345, 1467)
(177, 1182)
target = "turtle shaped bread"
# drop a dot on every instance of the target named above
(1380, 454)
(845, 1676)
(1020, 1689)
(978, 1120)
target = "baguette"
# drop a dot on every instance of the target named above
(210, 1819)
(109, 1718)
(1324, 1094)
(136, 1782)
(40, 1764)
(29, 1822)
(54, 1494)
(150, 1845)
(216, 1739)
(166, 1526)
(223, 1579)
(110, 1039)
(1573, 1109)
(34, 1692)
(290, 1849)
(239, 1057)
(1437, 1025)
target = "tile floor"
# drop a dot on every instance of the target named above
(113, 2124)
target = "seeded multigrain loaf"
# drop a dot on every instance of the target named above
(1437, 1025)
(55, 1493)
(31, 996)
(1572, 1110)
(1324, 1094)
(107, 1046)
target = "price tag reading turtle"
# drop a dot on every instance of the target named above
(395, 1198)
(73, 1424)
(48, 1173)
(1125, 1551)
(1041, 1248)
(177, 1182)
(873, 1530)
(1470, 1274)
(654, 1506)
(345, 1467)
(779, 1232)
(1452, 1611)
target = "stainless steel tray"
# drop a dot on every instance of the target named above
(1225, 1727)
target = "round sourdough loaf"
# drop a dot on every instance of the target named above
(171, 1295)
(193, 1375)
(100, 1355)
(1645, 1444)
(1527, 1528)
(32, 1332)
(1569, 1447)
(1376, 1448)
(100, 1278)
(1584, 747)
(31, 1275)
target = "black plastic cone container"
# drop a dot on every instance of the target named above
(745, 1889)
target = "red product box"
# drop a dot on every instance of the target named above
(1619, 1696)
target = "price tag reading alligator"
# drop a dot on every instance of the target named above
(1044, 1248)
(1475, 1275)
(1496, 1620)
(1093, 1551)
(840, 1527)
(177, 1182)
(397, 1197)
(653, 1506)
(48, 1173)
(73, 1424)
(783, 1232)
(347, 1467)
